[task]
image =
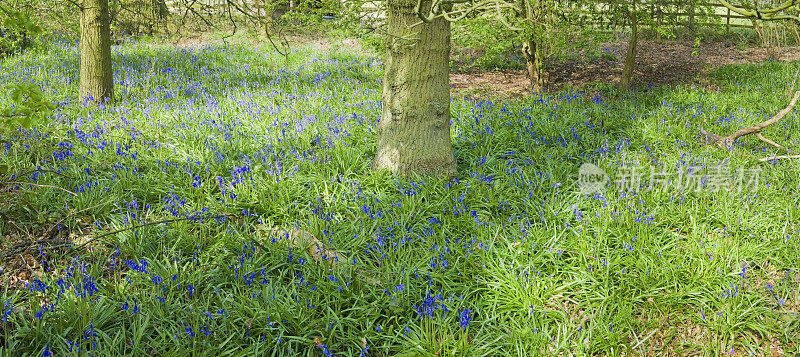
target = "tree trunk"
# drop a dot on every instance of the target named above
(534, 63)
(97, 82)
(630, 57)
(692, 27)
(414, 129)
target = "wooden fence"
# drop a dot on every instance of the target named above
(681, 14)
(662, 11)
(729, 18)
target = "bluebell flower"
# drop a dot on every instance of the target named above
(464, 317)
(8, 307)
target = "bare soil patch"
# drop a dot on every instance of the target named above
(658, 63)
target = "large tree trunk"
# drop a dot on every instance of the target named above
(534, 62)
(97, 82)
(414, 130)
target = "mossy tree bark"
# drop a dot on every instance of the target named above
(96, 77)
(534, 63)
(630, 56)
(533, 48)
(414, 129)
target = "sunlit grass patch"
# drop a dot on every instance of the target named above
(217, 163)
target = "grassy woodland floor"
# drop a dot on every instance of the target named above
(231, 145)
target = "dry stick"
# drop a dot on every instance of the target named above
(574, 252)
(794, 81)
(27, 245)
(756, 128)
(26, 173)
(16, 247)
(779, 157)
(74, 213)
(148, 224)
(21, 230)
(38, 185)
(726, 142)
(762, 138)
(312, 245)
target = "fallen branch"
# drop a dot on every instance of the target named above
(223, 215)
(305, 240)
(779, 146)
(779, 157)
(25, 245)
(726, 142)
(38, 185)
(20, 247)
(26, 173)
(58, 224)
(578, 253)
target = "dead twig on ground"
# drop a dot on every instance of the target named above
(17, 248)
(38, 185)
(726, 142)
(779, 157)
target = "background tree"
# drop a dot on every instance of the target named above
(544, 28)
(29, 104)
(538, 19)
(137, 17)
(414, 130)
(634, 14)
(772, 19)
(765, 10)
(17, 30)
(547, 28)
(541, 28)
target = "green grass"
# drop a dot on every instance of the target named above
(508, 259)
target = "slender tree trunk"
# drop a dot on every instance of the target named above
(532, 49)
(692, 27)
(534, 63)
(97, 82)
(414, 130)
(630, 57)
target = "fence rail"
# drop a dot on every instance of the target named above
(684, 15)
(679, 13)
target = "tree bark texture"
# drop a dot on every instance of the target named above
(96, 76)
(630, 56)
(414, 129)
(534, 63)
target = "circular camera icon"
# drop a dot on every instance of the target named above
(591, 178)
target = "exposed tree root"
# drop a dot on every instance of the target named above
(316, 249)
(304, 240)
(726, 142)
(299, 238)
